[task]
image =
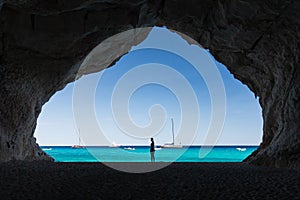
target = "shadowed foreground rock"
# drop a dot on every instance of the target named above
(42, 43)
(177, 181)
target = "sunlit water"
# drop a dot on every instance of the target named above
(141, 154)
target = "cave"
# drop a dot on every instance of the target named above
(43, 43)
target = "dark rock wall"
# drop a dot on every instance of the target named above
(42, 44)
(259, 42)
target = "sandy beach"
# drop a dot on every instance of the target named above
(43, 180)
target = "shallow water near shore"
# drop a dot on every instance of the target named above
(141, 154)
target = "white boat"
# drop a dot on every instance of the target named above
(113, 144)
(172, 145)
(129, 148)
(47, 149)
(78, 146)
(241, 149)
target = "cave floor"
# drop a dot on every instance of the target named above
(45, 180)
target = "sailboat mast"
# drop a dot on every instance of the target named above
(173, 130)
(79, 137)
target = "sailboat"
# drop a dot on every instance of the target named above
(172, 145)
(78, 146)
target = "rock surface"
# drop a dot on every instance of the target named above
(42, 43)
(213, 181)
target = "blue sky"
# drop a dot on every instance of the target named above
(243, 122)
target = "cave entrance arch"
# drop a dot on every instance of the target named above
(107, 62)
(257, 41)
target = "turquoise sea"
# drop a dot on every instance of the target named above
(141, 154)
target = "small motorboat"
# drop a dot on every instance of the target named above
(129, 148)
(241, 149)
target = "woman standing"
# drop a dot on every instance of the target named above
(152, 150)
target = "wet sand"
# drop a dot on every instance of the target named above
(43, 180)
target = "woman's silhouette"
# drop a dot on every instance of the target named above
(152, 150)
